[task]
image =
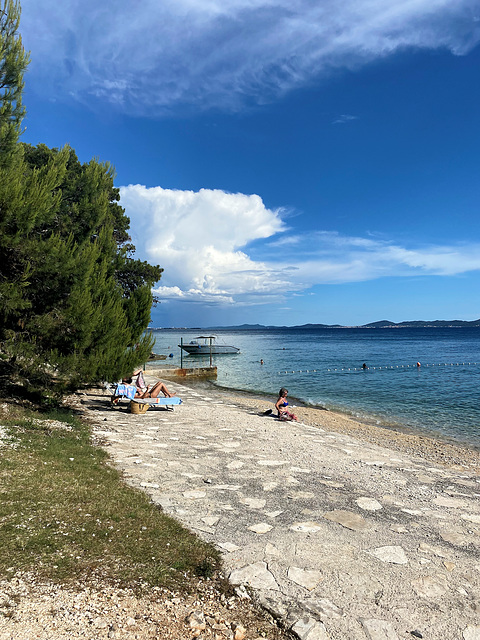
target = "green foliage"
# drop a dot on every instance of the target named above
(66, 514)
(13, 62)
(84, 304)
(74, 304)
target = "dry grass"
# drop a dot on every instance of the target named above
(66, 514)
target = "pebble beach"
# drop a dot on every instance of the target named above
(335, 528)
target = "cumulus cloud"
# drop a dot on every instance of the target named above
(206, 242)
(224, 53)
(198, 238)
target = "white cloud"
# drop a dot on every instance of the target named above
(151, 56)
(198, 236)
(344, 118)
(206, 241)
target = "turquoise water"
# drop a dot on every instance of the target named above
(323, 367)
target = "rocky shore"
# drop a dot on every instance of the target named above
(337, 529)
(46, 611)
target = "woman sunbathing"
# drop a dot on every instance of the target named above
(141, 389)
(155, 390)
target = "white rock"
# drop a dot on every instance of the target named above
(256, 575)
(240, 633)
(430, 586)
(308, 628)
(227, 487)
(379, 629)
(398, 528)
(471, 633)
(323, 608)
(455, 538)
(348, 519)
(196, 620)
(302, 495)
(271, 550)
(471, 517)
(395, 555)
(270, 486)
(304, 577)
(427, 548)
(236, 464)
(332, 483)
(446, 501)
(369, 504)
(261, 527)
(253, 503)
(194, 495)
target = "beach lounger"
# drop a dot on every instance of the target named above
(122, 391)
(141, 405)
(126, 390)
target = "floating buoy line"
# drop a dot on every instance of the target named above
(398, 366)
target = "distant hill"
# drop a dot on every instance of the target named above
(380, 324)
(249, 327)
(318, 326)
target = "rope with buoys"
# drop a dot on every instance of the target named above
(398, 366)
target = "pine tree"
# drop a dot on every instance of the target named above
(13, 62)
(74, 304)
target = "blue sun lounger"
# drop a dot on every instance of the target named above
(139, 405)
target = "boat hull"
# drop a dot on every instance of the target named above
(206, 350)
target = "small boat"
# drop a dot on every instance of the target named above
(157, 356)
(208, 346)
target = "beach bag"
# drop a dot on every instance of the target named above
(138, 407)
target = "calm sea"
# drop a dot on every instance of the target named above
(323, 367)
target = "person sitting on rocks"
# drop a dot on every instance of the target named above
(281, 404)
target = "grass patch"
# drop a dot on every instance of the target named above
(66, 515)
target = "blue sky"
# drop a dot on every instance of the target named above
(284, 161)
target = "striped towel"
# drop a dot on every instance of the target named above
(127, 390)
(160, 401)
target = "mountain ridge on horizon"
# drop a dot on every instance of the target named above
(380, 324)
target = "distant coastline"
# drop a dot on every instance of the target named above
(381, 324)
